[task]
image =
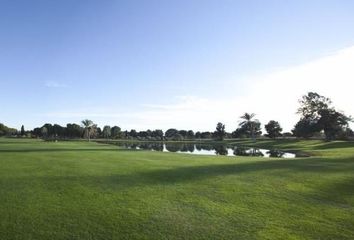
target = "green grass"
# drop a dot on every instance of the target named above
(81, 190)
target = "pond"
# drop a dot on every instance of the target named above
(204, 149)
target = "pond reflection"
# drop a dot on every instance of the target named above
(254, 152)
(275, 153)
(221, 150)
(204, 149)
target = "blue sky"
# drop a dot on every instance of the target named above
(153, 64)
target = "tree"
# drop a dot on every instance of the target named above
(98, 132)
(273, 129)
(22, 130)
(133, 133)
(89, 126)
(58, 130)
(115, 132)
(306, 128)
(220, 131)
(240, 132)
(171, 133)
(143, 135)
(206, 135)
(190, 134)
(174, 134)
(183, 133)
(333, 123)
(198, 135)
(250, 124)
(49, 128)
(157, 134)
(74, 130)
(106, 131)
(346, 133)
(44, 132)
(244, 130)
(311, 104)
(317, 115)
(4, 130)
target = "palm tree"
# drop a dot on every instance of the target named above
(249, 121)
(88, 125)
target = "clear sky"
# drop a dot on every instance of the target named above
(160, 64)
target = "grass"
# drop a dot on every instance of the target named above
(81, 190)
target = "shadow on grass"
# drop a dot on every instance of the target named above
(184, 174)
(286, 145)
(165, 177)
(296, 144)
(64, 150)
(20, 142)
(330, 145)
(341, 188)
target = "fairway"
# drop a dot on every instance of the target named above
(86, 190)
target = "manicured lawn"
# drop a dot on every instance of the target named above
(81, 190)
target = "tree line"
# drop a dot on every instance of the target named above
(318, 118)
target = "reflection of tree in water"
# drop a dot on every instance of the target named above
(157, 147)
(151, 146)
(256, 152)
(191, 147)
(239, 151)
(145, 146)
(275, 153)
(220, 150)
(131, 145)
(128, 145)
(198, 147)
(180, 147)
(183, 148)
(204, 146)
(173, 147)
(208, 147)
(242, 151)
(187, 147)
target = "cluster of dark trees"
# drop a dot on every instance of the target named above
(318, 118)
(6, 131)
(89, 130)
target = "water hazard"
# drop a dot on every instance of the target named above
(205, 149)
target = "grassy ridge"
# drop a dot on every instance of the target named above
(81, 190)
